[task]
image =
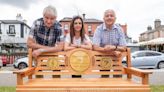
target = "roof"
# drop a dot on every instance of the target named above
(153, 41)
(153, 30)
(68, 19)
(93, 20)
(13, 22)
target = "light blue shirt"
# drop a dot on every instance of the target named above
(104, 36)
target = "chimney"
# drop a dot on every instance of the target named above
(157, 23)
(83, 15)
(19, 17)
(149, 28)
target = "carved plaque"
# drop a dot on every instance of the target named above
(53, 63)
(79, 61)
(106, 63)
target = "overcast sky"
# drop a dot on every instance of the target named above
(137, 14)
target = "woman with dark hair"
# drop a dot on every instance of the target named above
(77, 37)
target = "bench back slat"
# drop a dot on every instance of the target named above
(98, 64)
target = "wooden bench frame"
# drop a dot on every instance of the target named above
(83, 84)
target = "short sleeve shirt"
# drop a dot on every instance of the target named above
(77, 41)
(43, 35)
(104, 36)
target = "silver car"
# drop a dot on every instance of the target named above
(147, 59)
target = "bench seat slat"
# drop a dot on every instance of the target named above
(86, 83)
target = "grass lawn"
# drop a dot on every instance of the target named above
(154, 88)
(7, 89)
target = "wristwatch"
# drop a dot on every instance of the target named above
(42, 50)
(116, 47)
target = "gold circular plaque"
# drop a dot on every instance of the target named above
(79, 61)
(53, 63)
(106, 63)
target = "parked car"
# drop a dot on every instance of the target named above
(1, 64)
(21, 63)
(146, 59)
(4, 60)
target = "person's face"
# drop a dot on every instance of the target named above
(77, 25)
(109, 18)
(49, 20)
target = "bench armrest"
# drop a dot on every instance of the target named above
(25, 72)
(137, 72)
(144, 74)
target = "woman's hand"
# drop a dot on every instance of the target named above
(73, 45)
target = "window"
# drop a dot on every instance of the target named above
(89, 28)
(66, 27)
(152, 54)
(0, 29)
(11, 29)
(141, 54)
(162, 33)
(26, 30)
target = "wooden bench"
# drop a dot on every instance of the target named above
(90, 64)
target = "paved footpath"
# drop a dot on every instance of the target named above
(157, 78)
(7, 78)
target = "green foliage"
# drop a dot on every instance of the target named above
(7, 89)
(154, 88)
(157, 88)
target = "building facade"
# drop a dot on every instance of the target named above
(90, 25)
(13, 33)
(153, 38)
(150, 34)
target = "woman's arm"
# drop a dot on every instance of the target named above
(67, 46)
(87, 45)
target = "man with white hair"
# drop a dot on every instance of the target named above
(45, 33)
(109, 36)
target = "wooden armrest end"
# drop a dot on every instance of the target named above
(24, 71)
(137, 72)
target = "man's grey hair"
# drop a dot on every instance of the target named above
(50, 10)
(110, 10)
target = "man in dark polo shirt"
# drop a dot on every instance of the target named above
(45, 33)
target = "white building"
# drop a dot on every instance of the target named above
(13, 32)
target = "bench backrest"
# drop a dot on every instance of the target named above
(79, 62)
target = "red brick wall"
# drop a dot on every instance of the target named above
(94, 26)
